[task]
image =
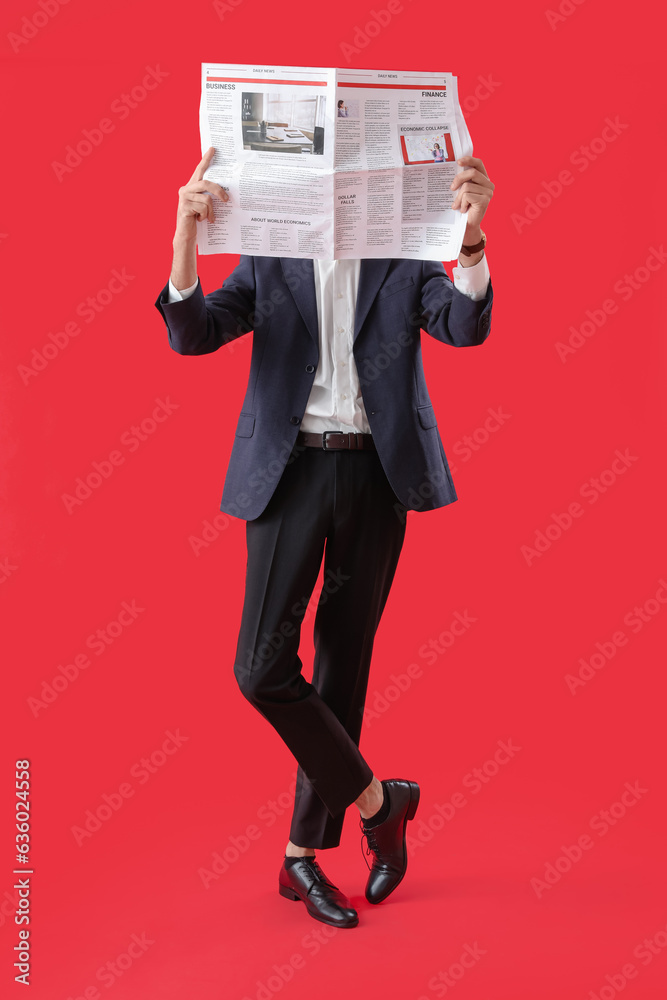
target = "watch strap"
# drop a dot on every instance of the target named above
(469, 250)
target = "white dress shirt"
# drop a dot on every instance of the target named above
(335, 402)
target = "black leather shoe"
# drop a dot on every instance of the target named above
(386, 841)
(305, 880)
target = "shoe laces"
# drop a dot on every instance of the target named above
(371, 843)
(313, 865)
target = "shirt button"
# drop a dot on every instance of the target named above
(295, 420)
(310, 368)
(340, 295)
(342, 364)
(343, 396)
(341, 329)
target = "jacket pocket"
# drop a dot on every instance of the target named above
(246, 425)
(427, 416)
(395, 286)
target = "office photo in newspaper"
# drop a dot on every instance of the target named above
(332, 163)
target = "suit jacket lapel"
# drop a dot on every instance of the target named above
(372, 273)
(300, 277)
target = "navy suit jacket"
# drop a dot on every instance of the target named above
(275, 298)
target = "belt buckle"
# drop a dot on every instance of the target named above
(324, 438)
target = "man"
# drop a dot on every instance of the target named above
(336, 441)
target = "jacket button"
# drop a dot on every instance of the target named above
(310, 368)
(295, 420)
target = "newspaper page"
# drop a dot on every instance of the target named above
(273, 132)
(398, 137)
(323, 163)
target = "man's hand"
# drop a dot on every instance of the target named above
(195, 200)
(195, 203)
(474, 191)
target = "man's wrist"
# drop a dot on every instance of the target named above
(182, 242)
(473, 234)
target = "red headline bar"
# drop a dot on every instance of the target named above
(267, 79)
(395, 86)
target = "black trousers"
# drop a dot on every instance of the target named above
(338, 504)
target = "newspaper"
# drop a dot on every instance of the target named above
(332, 163)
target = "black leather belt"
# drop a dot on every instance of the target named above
(336, 440)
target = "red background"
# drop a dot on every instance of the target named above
(549, 90)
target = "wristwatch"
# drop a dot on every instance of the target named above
(468, 251)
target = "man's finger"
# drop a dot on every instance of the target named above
(471, 193)
(473, 161)
(197, 187)
(205, 200)
(203, 164)
(479, 189)
(214, 188)
(469, 174)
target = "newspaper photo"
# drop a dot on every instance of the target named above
(332, 163)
